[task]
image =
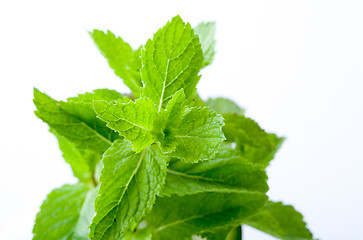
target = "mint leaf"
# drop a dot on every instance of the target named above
(129, 184)
(226, 172)
(171, 61)
(254, 143)
(133, 120)
(82, 162)
(122, 59)
(60, 213)
(281, 221)
(87, 212)
(181, 217)
(78, 126)
(100, 94)
(224, 105)
(168, 121)
(199, 135)
(206, 33)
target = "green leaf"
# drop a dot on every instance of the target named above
(60, 213)
(82, 162)
(129, 184)
(280, 221)
(122, 59)
(76, 121)
(199, 135)
(100, 94)
(227, 172)
(168, 121)
(206, 33)
(170, 62)
(133, 120)
(254, 143)
(230, 233)
(179, 217)
(224, 105)
(81, 230)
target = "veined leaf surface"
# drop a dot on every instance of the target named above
(133, 120)
(281, 221)
(171, 61)
(60, 213)
(226, 172)
(129, 184)
(121, 57)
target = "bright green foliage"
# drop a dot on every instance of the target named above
(181, 217)
(199, 135)
(122, 59)
(129, 184)
(206, 32)
(215, 175)
(81, 230)
(168, 122)
(60, 213)
(100, 94)
(77, 126)
(281, 221)
(254, 143)
(133, 120)
(224, 105)
(82, 162)
(171, 61)
(192, 134)
(159, 163)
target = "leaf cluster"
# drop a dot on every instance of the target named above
(160, 163)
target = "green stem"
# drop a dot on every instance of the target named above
(235, 234)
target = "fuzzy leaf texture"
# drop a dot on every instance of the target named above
(227, 172)
(171, 61)
(180, 217)
(206, 33)
(75, 121)
(133, 120)
(61, 214)
(253, 142)
(280, 221)
(121, 57)
(129, 184)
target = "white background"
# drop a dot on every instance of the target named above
(296, 66)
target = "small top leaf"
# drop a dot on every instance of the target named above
(171, 61)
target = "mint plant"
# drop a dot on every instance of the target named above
(160, 163)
